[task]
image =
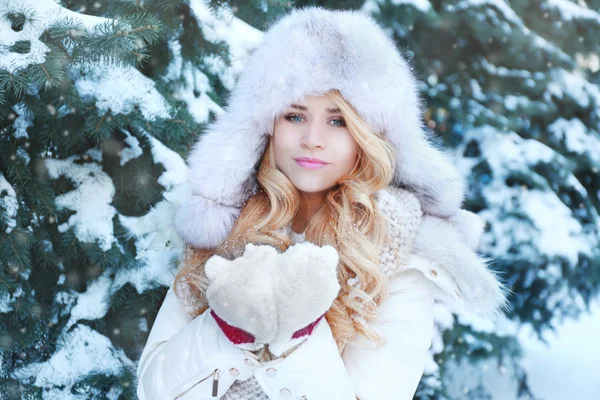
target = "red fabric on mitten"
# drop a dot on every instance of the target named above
(238, 336)
(307, 330)
(234, 334)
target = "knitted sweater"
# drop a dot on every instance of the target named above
(250, 388)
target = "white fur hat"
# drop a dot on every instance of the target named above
(309, 52)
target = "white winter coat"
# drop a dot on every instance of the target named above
(187, 358)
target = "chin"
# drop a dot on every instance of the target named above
(311, 188)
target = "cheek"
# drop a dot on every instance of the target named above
(281, 146)
(278, 146)
(350, 153)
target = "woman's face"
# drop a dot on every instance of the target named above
(314, 129)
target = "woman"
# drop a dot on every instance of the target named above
(329, 85)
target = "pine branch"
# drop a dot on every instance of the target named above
(51, 73)
(15, 83)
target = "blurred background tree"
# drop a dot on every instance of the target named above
(101, 101)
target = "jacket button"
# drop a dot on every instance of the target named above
(303, 398)
(271, 372)
(234, 372)
(284, 392)
(433, 272)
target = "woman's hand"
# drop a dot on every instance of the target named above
(239, 296)
(263, 297)
(305, 287)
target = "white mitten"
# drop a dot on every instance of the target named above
(263, 297)
(305, 285)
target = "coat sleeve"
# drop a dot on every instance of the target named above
(181, 354)
(181, 351)
(405, 319)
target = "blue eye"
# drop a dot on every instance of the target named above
(290, 116)
(343, 123)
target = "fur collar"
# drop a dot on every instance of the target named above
(445, 251)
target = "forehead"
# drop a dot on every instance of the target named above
(315, 103)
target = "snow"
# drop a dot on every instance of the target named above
(94, 302)
(22, 121)
(570, 11)
(80, 352)
(194, 89)
(176, 65)
(541, 225)
(157, 245)
(175, 168)
(507, 12)
(505, 72)
(22, 154)
(46, 12)
(576, 137)
(476, 90)
(573, 352)
(421, 5)
(511, 22)
(5, 302)
(157, 242)
(119, 88)
(567, 366)
(512, 103)
(114, 87)
(8, 203)
(542, 43)
(217, 27)
(91, 200)
(564, 367)
(559, 236)
(134, 150)
(239, 36)
(565, 83)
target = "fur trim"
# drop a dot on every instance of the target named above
(445, 253)
(203, 222)
(473, 284)
(470, 226)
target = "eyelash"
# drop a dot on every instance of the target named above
(287, 117)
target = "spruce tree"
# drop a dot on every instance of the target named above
(507, 91)
(100, 103)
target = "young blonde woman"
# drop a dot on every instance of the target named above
(321, 227)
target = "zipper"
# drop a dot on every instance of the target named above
(215, 390)
(215, 372)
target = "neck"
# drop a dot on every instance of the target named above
(310, 204)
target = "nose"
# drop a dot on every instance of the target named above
(313, 136)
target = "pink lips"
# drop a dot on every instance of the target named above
(304, 163)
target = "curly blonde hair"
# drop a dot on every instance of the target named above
(349, 220)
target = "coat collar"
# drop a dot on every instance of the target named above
(445, 251)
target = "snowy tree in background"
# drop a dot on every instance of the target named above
(101, 101)
(509, 86)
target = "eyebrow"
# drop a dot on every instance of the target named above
(302, 108)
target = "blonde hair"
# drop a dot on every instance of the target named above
(349, 220)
